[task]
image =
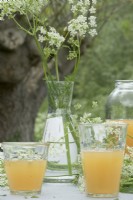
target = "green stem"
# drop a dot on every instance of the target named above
(68, 151)
(77, 63)
(22, 28)
(56, 66)
(29, 22)
(77, 60)
(74, 134)
(44, 63)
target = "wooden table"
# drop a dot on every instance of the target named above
(60, 191)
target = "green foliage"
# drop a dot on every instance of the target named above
(109, 57)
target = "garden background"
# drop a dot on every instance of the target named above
(105, 58)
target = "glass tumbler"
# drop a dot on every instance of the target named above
(25, 166)
(102, 153)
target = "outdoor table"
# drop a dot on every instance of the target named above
(60, 191)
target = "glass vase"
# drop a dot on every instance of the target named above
(60, 133)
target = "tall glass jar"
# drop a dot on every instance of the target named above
(59, 132)
(119, 106)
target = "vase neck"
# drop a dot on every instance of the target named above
(59, 96)
(59, 112)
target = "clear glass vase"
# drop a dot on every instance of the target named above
(59, 132)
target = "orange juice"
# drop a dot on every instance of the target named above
(24, 175)
(129, 138)
(102, 171)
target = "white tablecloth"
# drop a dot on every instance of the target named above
(59, 191)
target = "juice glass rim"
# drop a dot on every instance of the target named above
(25, 144)
(104, 123)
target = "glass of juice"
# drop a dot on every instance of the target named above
(102, 153)
(25, 166)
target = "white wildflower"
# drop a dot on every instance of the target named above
(93, 32)
(72, 55)
(42, 30)
(94, 1)
(86, 118)
(83, 10)
(78, 26)
(54, 38)
(81, 183)
(80, 6)
(70, 1)
(130, 150)
(40, 38)
(92, 10)
(13, 6)
(3, 179)
(127, 170)
(87, 2)
(74, 8)
(92, 21)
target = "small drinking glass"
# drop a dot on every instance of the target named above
(25, 166)
(102, 153)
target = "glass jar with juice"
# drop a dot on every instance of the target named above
(119, 106)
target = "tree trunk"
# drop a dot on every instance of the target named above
(22, 88)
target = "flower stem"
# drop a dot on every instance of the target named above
(68, 151)
(73, 132)
(44, 63)
(22, 28)
(77, 60)
(56, 67)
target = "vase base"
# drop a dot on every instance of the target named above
(60, 179)
(59, 176)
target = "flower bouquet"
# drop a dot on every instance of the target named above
(50, 42)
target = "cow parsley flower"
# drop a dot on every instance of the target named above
(127, 172)
(3, 178)
(92, 21)
(41, 38)
(81, 6)
(78, 26)
(94, 1)
(92, 10)
(54, 38)
(49, 41)
(93, 32)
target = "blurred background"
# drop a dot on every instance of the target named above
(106, 58)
